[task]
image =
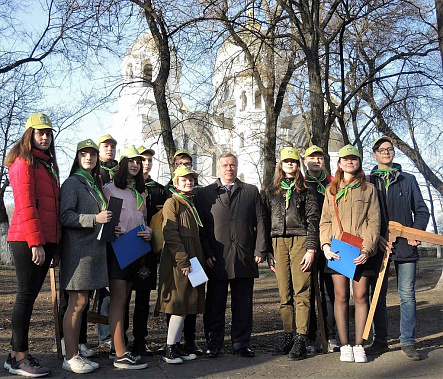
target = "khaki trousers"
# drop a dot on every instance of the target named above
(294, 285)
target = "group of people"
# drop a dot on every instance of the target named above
(228, 227)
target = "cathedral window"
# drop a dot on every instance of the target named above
(226, 93)
(214, 165)
(257, 99)
(242, 140)
(147, 74)
(130, 72)
(244, 100)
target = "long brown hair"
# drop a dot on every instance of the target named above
(279, 175)
(95, 171)
(23, 149)
(334, 187)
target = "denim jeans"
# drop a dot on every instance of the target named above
(104, 332)
(406, 272)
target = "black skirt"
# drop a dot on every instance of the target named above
(128, 273)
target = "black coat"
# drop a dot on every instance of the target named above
(104, 171)
(300, 219)
(405, 205)
(233, 229)
(146, 278)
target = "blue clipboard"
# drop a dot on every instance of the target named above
(128, 247)
(348, 253)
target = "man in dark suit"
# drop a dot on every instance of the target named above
(233, 238)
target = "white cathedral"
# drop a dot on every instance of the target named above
(235, 123)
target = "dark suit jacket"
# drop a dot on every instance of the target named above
(233, 229)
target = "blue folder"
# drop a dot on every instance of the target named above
(347, 253)
(129, 247)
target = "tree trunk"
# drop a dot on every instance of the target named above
(5, 252)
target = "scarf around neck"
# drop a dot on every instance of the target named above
(320, 187)
(385, 174)
(84, 174)
(190, 201)
(137, 195)
(288, 188)
(50, 169)
(111, 170)
(345, 191)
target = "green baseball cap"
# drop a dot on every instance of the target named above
(183, 152)
(142, 150)
(87, 143)
(380, 140)
(314, 149)
(38, 121)
(348, 150)
(183, 171)
(290, 153)
(130, 153)
(106, 137)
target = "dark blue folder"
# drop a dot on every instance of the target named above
(129, 247)
(347, 253)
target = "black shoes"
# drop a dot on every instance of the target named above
(285, 347)
(377, 348)
(298, 351)
(409, 350)
(245, 352)
(191, 347)
(212, 353)
(141, 348)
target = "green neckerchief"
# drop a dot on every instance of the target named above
(111, 170)
(344, 191)
(84, 174)
(150, 183)
(320, 187)
(385, 174)
(190, 202)
(50, 169)
(137, 195)
(288, 189)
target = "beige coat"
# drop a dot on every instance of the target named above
(182, 242)
(359, 215)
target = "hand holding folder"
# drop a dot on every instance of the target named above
(129, 247)
(345, 265)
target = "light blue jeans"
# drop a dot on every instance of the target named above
(406, 272)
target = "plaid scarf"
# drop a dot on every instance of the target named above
(90, 179)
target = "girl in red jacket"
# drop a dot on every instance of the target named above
(34, 231)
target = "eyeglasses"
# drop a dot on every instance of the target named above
(389, 150)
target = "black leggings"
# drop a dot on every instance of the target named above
(30, 278)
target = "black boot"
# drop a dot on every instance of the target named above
(286, 346)
(298, 351)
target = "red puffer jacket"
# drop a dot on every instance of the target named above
(37, 203)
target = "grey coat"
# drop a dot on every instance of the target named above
(233, 229)
(83, 264)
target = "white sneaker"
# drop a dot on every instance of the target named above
(93, 364)
(85, 350)
(359, 354)
(77, 364)
(346, 354)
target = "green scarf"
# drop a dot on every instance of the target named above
(320, 187)
(385, 174)
(151, 183)
(190, 202)
(112, 171)
(137, 195)
(288, 189)
(344, 191)
(90, 179)
(50, 169)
